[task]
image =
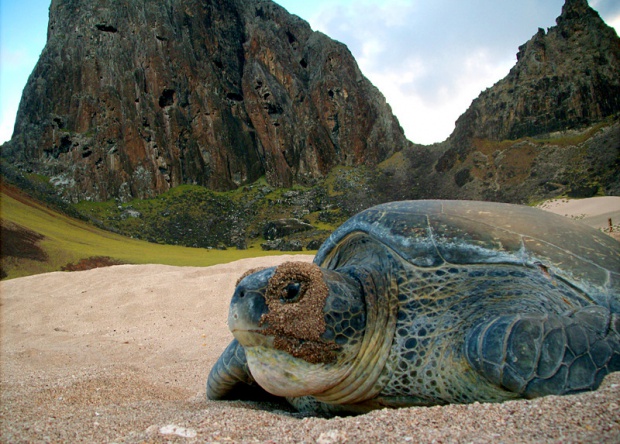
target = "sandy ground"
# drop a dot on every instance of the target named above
(122, 354)
(596, 211)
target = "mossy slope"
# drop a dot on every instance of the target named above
(57, 240)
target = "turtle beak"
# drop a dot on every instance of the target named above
(247, 307)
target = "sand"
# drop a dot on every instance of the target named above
(122, 354)
(595, 211)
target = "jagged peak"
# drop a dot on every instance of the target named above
(564, 78)
(576, 10)
(575, 5)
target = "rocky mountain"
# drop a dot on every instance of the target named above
(567, 77)
(131, 98)
(564, 86)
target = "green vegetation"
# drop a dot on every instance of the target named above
(66, 240)
(187, 215)
(195, 216)
(571, 138)
(217, 227)
(225, 226)
(560, 139)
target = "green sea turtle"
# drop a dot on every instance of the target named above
(429, 302)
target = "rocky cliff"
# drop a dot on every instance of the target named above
(551, 126)
(131, 98)
(565, 78)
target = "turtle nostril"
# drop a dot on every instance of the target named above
(241, 294)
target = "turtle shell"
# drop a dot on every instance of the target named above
(430, 233)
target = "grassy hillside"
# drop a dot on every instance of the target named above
(195, 216)
(36, 239)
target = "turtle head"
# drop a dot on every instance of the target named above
(299, 325)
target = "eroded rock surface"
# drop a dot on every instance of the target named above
(131, 98)
(565, 78)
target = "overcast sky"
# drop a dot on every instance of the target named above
(430, 58)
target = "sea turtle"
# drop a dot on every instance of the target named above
(429, 302)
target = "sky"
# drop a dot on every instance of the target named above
(430, 58)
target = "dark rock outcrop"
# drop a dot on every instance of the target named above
(277, 229)
(132, 98)
(565, 78)
(282, 245)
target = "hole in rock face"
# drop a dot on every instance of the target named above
(106, 28)
(166, 98)
(65, 144)
(272, 108)
(303, 63)
(234, 96)
(291, 37)
(64, 147)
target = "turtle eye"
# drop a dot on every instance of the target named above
(291, 292)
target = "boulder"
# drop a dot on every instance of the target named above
(280, 228)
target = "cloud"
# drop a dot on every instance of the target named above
(6, 128)
(17, 65)
(606, 8)
(431, 59)
(427, 109)
(615, 22)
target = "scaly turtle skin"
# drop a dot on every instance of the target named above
(429, 302)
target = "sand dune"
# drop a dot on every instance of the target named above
(595, 212)
(121, 354)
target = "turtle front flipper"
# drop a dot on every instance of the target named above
(536, 354)
(230, 377)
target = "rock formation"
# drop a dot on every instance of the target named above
(550, 127)
(565, 78)
(130, 98)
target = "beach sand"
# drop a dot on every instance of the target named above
(595, 211)
(122, 354)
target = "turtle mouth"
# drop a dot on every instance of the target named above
(245, 329)
(314, 352)
(251, 337)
